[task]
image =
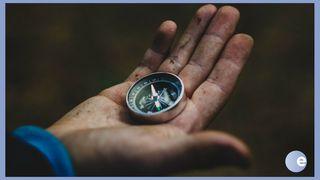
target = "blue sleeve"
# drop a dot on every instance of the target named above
(32, 151)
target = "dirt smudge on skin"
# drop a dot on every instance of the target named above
(184, 42)
(198, 20)
(172, 59)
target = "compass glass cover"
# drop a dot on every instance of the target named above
(155, 93)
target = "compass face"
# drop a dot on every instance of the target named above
(155, 93)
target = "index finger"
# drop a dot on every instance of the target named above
(157, 52)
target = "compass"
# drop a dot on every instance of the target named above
(157, 97)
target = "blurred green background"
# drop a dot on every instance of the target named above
(59, 55)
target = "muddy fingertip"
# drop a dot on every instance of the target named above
(168, 26)
(230, 11)
(206, 10)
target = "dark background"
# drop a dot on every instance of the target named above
(59, 55)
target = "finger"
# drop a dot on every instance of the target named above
(185, 46)
(220, 29)
(202, 150)
(213, 93)
(157, 52)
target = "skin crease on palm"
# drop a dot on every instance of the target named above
(103, 139)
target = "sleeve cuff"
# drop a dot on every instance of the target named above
(49, 146)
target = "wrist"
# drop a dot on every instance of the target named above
(49, 146)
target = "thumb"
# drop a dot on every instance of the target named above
(207, 150)
(216, 148)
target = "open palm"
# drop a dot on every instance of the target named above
(102, 138)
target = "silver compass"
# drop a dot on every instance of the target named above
(157, 97)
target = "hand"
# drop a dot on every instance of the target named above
(99, 133)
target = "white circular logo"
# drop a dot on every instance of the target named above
(296, 161)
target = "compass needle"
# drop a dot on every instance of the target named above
(153, 91)
(158, 105)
